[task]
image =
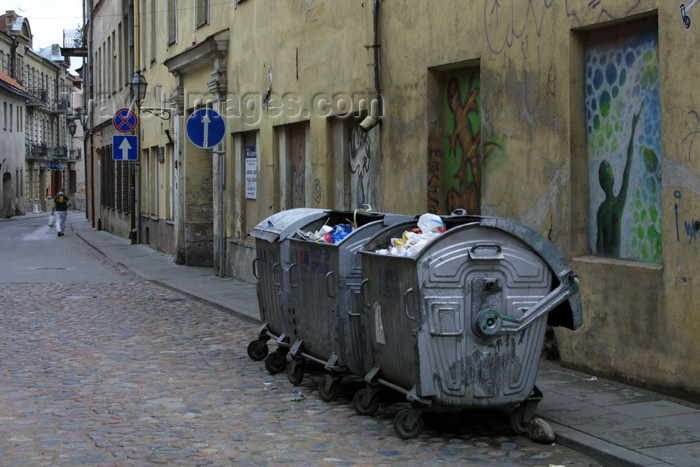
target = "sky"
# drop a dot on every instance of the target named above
(48, 19)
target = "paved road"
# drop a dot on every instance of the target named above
(100, 367)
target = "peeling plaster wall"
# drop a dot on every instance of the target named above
(310, 59)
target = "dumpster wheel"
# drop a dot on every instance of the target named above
(329, 388)
(257, 349)
(517, 420)
(366, 402)
(523, 414)
(295, 372)
(276, 362)
(408, 423)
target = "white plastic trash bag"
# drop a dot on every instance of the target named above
(431, 223)
(52, 220)
(413, 241)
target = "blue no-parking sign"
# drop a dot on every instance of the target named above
(205, 128)
(125, 120)
(125, 147)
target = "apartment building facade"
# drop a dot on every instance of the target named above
(548, 113)
(13, 97)
(110, 185)
(48, 159)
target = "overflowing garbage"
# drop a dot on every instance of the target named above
(413, 241)
(328, 234)
(410, 244)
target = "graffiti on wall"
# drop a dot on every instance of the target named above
(298, 166)
(318, 191)
(689, 228)
(623, 128)
(457, 154)
(504, 25)
(692, 134)
(435, 203)
(298, 175)
(454, 164)
(360, 161)
(575, 8)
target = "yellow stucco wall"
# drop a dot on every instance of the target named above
(640, 317)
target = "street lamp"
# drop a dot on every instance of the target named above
(84, 118)
(72, 126)
(138, 86)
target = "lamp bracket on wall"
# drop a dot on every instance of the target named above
(160, 113)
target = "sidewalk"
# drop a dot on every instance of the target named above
(616, 424)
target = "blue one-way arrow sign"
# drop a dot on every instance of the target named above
(125, 147)
(206, 128)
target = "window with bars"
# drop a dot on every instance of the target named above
(120, 184)
(107, 178)
(118, 179)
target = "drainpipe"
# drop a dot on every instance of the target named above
(222, 243)
(136, 199)
(96, 205)
(85, 92)
(373, 116)
(221, 157)
(375, 19)
(13, 58)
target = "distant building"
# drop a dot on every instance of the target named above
(13, 97)
(49, 164)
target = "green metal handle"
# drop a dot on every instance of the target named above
(489, 322)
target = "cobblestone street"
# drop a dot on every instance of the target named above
(126, 372)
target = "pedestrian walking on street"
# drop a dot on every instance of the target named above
(61, 203)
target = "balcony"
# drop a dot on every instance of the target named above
(60, 152)
(74, 43)
(59, 107)
(38, 97)
(39, 149)
(36, 151)
(43, 151)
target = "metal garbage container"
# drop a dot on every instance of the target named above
(462, 323)
(325, 307)
(271, 267)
